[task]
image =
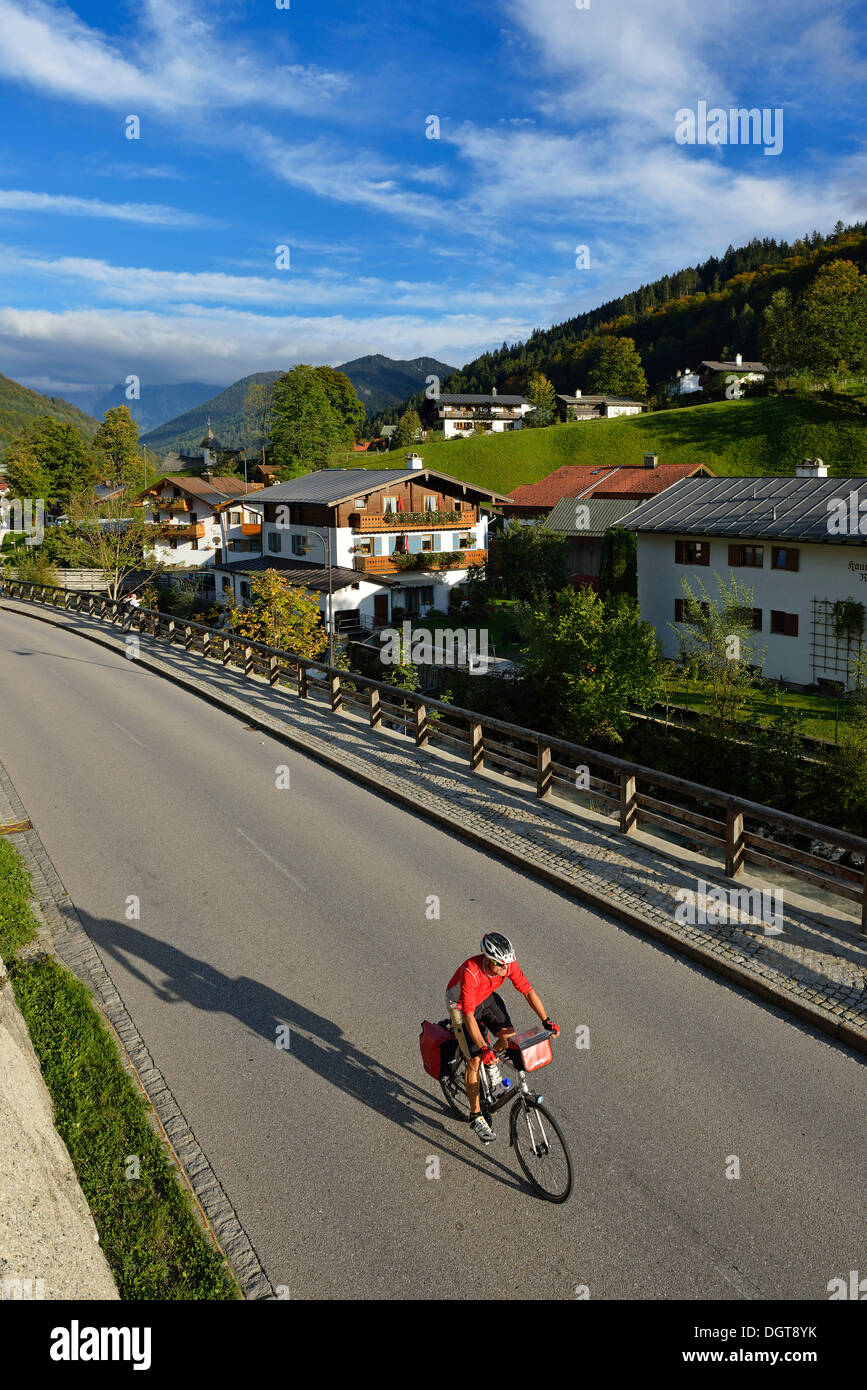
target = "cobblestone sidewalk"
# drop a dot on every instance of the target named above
(816, 969)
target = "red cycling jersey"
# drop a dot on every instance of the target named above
(471, 983)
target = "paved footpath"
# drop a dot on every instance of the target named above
(817, 968)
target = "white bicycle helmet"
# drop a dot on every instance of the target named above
(498, 948)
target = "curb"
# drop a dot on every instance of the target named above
(817, 1017)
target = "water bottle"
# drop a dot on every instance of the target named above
(497, 1082)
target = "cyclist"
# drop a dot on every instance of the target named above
(471, 990)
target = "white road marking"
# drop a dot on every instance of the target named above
(271, 859)
(127, 732)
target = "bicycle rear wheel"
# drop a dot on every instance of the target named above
(453, 1086)
(541, 1148)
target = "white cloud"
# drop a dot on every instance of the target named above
(179, 64)
(153, 214)
(222, 345)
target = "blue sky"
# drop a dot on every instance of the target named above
(307, 127)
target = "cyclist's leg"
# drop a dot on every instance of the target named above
(495, 1016)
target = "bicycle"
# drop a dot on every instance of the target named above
(534, 1134)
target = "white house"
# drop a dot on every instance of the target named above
(799, 544)
(208, 518)
(462, 414)
(684, 383)
(735, 374)
(580, 407)
(393, 538)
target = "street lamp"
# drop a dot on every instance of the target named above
(325, 538)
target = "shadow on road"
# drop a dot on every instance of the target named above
(315, 1041)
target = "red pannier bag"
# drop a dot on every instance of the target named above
(437, 1048)
(533, 1049)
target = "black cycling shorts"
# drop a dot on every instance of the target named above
(493, 1013)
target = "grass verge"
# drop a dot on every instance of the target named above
(147, 1225)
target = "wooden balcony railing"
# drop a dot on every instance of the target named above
(364, 522)
(384, 564)
(251, 528)
(194, 532)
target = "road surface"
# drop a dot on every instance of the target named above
(307, 907)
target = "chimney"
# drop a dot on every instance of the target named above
(811, 468)
(493, 390)
(207, 475)
(651, 460)
(414, 461)
(679, 372)
(577, 393)
(738, 359)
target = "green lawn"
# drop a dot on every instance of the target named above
(751, 437)
(819, 716)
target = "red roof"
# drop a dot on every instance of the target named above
(573, 480)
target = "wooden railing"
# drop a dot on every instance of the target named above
(364, 522)
(737, 828)
(384, 564)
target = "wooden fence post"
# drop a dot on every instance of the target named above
(273, 669)
(543, 771)
(335, 694)
(227, 650)
(421, 725)
(302, 682)
(188, 637)
(477, 746)
(734, 842)
(206, 644)
(248, 661)
(375, 708)
(628, 804)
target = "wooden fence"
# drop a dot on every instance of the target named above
(738, 829)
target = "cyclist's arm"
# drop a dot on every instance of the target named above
(536, 1004)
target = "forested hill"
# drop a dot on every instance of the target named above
(704, 312)
(19, 405)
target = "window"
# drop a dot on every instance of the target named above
(747, 556)
(275, 542)
(364, 547)
(360, 504)
(234, 518)
(680, 607)
(752, 617)
(245, 589)
(227, 583)
(426, 596)
(783, 557)
(430, 504)
(194, 516)
(427, 542)
(784, 624)
(466, 541)
(389, 505)
(297, 545)
(692, 552)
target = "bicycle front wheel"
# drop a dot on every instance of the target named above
(541, 1148)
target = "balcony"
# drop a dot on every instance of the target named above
(172, 504)
(384, 564)
(251, 528)
(365, 522)
(194, 532)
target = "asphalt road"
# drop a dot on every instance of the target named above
(264, 907)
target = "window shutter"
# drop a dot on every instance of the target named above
(414, 545)
(678, 610)
(437, 542)
(792, 559)
(377, 545)
(790, 625)
(757, 620)
(679, 557)
(734, 555)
